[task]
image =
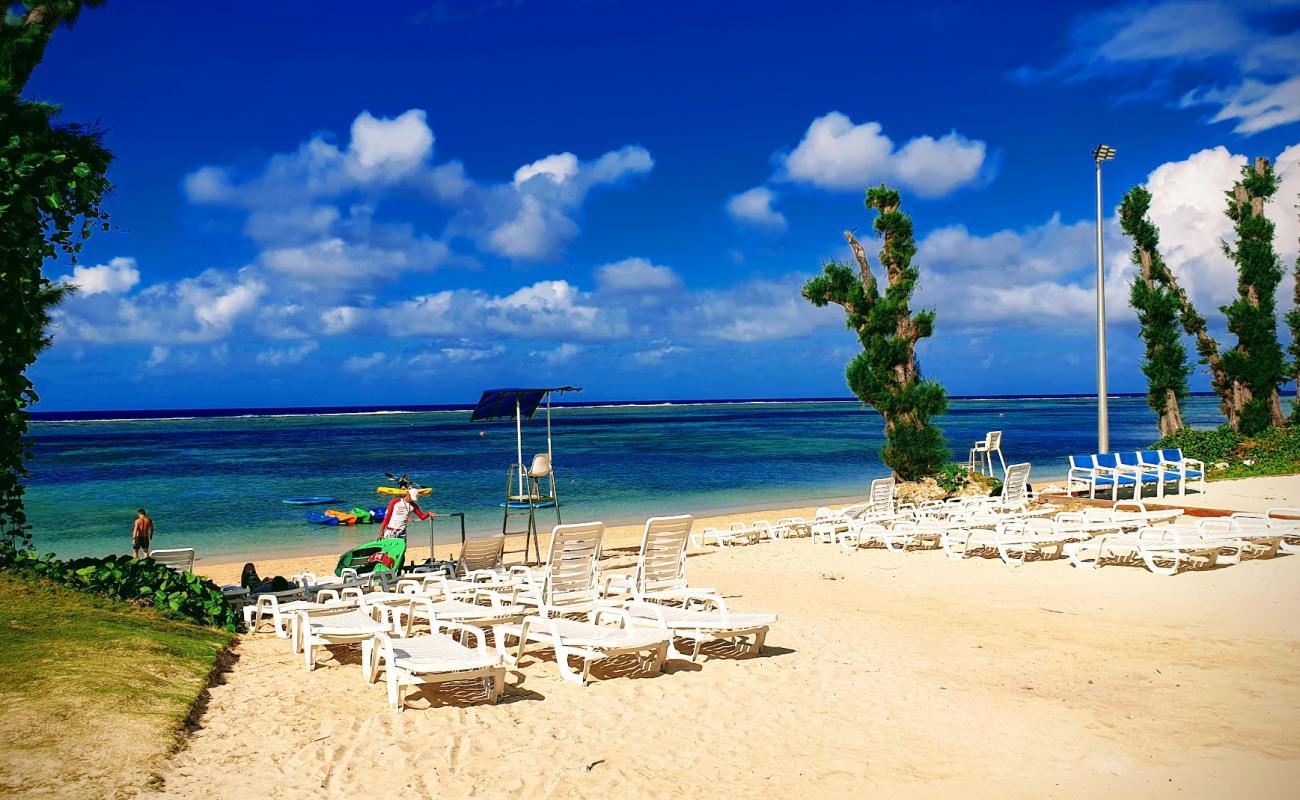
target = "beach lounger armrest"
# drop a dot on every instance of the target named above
(649, 614)
(476, 633)
(617, 582)
(597, 614)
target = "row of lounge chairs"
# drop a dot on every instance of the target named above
(1136, 470)
(1126, 533)
(881, 507)
(566, 606)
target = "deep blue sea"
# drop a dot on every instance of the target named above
(215, 482)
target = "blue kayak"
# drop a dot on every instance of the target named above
(317, 518)
(309, 501)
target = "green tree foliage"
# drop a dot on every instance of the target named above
(885, 375)
(1256, 366)
(52, 184)
(1157, 305)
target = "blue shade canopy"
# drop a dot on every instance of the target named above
(502, 403)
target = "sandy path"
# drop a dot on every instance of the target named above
(905, 675)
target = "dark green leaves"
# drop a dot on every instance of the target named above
(885, 375)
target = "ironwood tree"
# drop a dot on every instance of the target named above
(886, 375)
(1256, 367)
(1293, 322)
(53, 179)
(1156, 300)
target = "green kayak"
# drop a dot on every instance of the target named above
(381, 555)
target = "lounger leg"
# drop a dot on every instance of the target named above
(566, 670)
(309, 653)
(367, 653)
(661, 653)
(757, 646)
(496, 683)
(394, 691)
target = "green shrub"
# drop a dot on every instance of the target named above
(181, 595)
(953, 478)
(1210, 446)
(1274, 451)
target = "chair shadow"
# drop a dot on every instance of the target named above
(470, 692)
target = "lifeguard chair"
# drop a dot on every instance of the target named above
(528, 487)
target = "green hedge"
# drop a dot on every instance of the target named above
(181, 595)
(1275, 451)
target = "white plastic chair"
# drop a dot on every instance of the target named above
(983, 451)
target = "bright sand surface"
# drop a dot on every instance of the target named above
(1246, 494)
(887, 675)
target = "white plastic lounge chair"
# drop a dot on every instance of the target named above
(489, 613)
(180, 559)
(482, 558)
(660, 574)
(1165, 550)
(273, 607)
(860, 534)
(745, 631)
(570, 588)
(1015, 489)
(921, 534)
(340, 625)
(437, 658)
(1286, 521)
(1242, 537)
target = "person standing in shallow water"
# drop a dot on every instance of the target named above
(141, 534)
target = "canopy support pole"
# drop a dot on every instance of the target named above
(519, 444)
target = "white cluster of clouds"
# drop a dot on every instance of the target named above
(1044, 275)
(117, 276)
(836, 154)
(321, 195)
(1253, 68)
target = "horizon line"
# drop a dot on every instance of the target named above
(109, 415)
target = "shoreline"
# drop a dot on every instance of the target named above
(1245, 494)
(622, 539)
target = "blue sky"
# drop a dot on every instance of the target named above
(338, 204)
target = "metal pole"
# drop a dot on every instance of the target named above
(1103, 423)
(519, 443)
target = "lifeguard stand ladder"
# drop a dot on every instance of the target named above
(524, 494)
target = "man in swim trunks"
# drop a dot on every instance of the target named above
(399, 514)
(142, 534)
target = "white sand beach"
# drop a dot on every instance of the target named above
(890, 674)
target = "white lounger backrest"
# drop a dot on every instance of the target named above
(180, 559)
(882, 496)
(1015, 489)
(662, 563)
(482, 553)
(571, 564)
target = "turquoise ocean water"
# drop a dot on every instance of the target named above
(215, 484)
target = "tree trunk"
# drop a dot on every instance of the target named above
(1208, 348)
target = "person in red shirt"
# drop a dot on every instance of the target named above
(399, 514)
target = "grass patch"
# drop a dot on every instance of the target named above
(93, 692)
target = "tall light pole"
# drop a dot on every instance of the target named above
(1103, 152)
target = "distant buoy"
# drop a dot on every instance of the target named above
(482, 433)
